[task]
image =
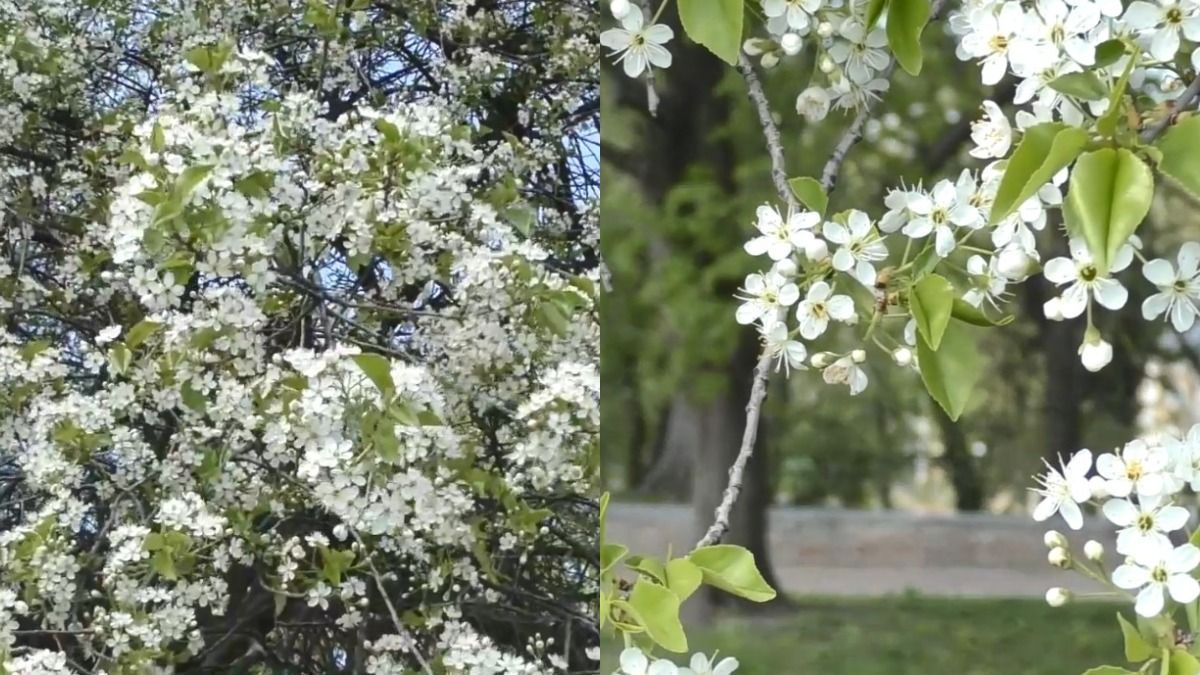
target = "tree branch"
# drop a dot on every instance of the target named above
(1152, 132)
(770, 131)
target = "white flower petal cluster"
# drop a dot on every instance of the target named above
(319, 337)
(1139, 489)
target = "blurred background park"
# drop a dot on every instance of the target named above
(901, 540)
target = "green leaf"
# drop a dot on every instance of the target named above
(810, 193)
(384, 440)
(334, 563)
(875, 10)
(1085, 85)
(1136, 647)
(1110, 670)
(188, 181)
(732, 569)
(648, 566)
(964, 311)
(1107, 124)
(1183, 663)
(951, 371)
(1109, 52)
(1109, 196)
(379, 370)
(610, 555)
(716, 24)
(119, 358)
(1180, 160)
(158, 140)
(931, 301)
(683, 577)
(1043, 151)
(140, 331)
(658, 609)
(163, 562)
(209, 58)
(193, 398)
(906, 20)
(153, 542)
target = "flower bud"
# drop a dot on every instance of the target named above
(1053, 309)
(791, 44)
(1013, 263)
(903, 357)
(827, 65)
(770, 60)
(1054, 539)
(824, 29)
(1095, 352)
(619, 8)
(1060, 557)
(1099, 487)
(816, 249)
(753, 47)
(785, 268)
(820, 359)
(1058, 596)
(1094, 550)
(858, 355)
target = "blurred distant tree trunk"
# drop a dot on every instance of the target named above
(963, 468)
(1059, 342)
(670, 476)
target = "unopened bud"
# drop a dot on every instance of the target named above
(1054, 539)
(903, 357)
(753, 47)
(827, 65)
(824, 29)
(770, 60)
(816, 249)
(1094, 550)
(1099, 487)
(1013, 263)
(619, 8)
(791, 44)
(1053, 309)
(820, 359)
(1060, 557)
(1058, 596)
(858, 355)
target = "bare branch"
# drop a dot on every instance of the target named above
(770, 132)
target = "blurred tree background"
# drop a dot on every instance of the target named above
(678, 196)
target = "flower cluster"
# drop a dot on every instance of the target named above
(870, 266)
(318, 349)
(1138, 489)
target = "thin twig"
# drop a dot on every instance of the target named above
(758, 392)
(854, 132)
(770, 131)
(400, 628)
(1152, 132)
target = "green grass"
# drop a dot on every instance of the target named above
(910, 635)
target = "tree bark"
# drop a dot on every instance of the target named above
(964, 470)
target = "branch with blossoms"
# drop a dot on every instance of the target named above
(1104, 99)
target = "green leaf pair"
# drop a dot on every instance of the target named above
(1109, 196)
(946, 350)
(716, 24)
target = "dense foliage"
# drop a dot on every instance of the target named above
(299, 336)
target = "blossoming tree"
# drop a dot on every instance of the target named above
(299, 337)
(1103, 95)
